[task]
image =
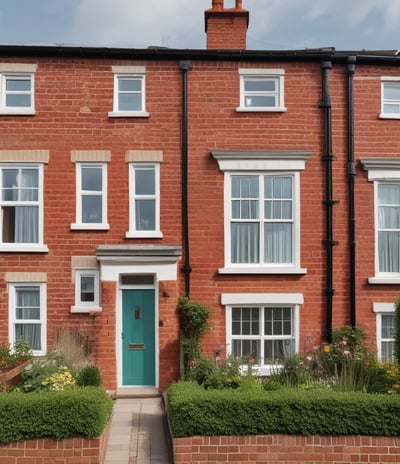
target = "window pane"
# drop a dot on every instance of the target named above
(388, 326)
(391, 91)
(245, 242)
(92, 209)
(278, 243)
(18, 100)
(129, 85)
(10, 184)
(391, 108)
(260, 85)
(27, 303)
(246, 349)
(31, 333)
(92, 179)
(87, 288)
(260, 101)
(130, 102)
(145, 212)
(389, 251)
(20, 85)
(276, 351)
(387, 351)
(145, 181)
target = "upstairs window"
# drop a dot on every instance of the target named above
(129, 91)
(390, 89)
(261, 90)
(144, 208)
(17, 88)
(91, 189)
(21, 205)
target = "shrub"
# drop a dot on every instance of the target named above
(78, 412)
(60, 380)
(89, 376)
(195, 411)
(13, 355)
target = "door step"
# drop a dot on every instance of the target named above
(136, 393)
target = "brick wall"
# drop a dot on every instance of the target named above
(48, 451)
(281, 449)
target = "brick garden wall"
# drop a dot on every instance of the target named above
(282, 449)
(48, 451)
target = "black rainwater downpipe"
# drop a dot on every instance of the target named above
(185, 66)
(351, 171)
(329, 202)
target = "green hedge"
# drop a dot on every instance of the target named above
(195, 411)
(77, 412)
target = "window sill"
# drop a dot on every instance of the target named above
(23, 248)
(277, 109)
(389, 116)
(86, 310)
(262, 270)
(384, 280)
(146, 234)
(128, 114)
(18, 112)
(90, 226)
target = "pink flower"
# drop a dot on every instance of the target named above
(347, 353)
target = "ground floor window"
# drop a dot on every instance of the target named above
(385, 322)
(262, 334)
(27, 315)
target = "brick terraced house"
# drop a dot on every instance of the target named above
(264, 184)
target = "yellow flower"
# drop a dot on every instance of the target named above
(327, 348)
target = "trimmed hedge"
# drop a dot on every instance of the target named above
(76, 412)
(195, 411)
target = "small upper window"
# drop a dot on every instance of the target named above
(144, 199)
(390, 97)
(91, 189)
(261, 90)
(129, 91)
(17, 88)
(87, 290)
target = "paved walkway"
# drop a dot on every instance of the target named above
(138, 432)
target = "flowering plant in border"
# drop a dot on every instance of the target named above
(60, 380)
(11, 356)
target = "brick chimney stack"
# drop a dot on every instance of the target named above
(226, 28)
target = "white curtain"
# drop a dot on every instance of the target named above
(389, 228)
(26, 217)
(28, 316)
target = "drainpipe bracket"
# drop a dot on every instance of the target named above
(330, 202)
(330, 242)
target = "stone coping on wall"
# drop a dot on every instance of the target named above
(280, 449)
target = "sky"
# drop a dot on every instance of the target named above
(274, 24)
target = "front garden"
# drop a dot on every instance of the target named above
(58, 397)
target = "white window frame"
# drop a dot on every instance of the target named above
(262, 163)
(133, 232)
(79, 224)
(86, 306)
(387, 81)
(12, 289)
(262, 300)
(278, 75)
(23, 71)
(129, 72)
(24, 247)
(380, 310)
(381, 170)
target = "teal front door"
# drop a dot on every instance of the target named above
(138, 338)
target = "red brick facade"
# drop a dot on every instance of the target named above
(72, 120)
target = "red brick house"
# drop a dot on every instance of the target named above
(265, 184)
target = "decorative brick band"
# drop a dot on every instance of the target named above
(280, 449)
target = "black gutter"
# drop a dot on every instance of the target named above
(390, 57)
(185, 66)
(328, 158)
(351, 171)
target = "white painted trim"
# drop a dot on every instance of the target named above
(262, 298)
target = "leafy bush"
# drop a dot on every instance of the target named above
(13, 355)
(195, 411)
(89, 376)
(78, 412)
(61, 380)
